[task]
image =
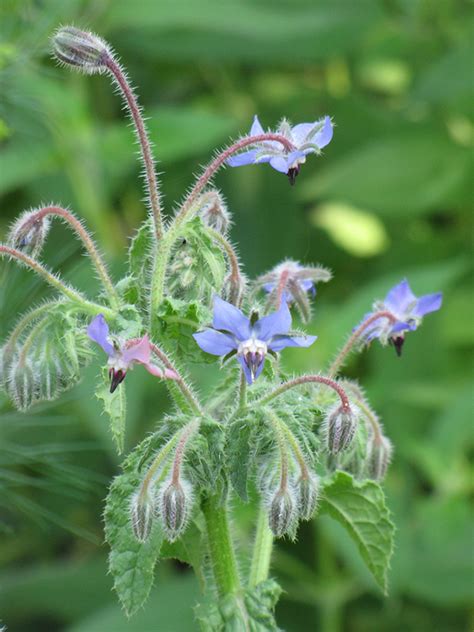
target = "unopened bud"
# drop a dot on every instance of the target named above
(282, 514)
(142, 513)
(234, 288)
(82, 50)
(341, 424)
(214, 212)
(308, 489)
(29, 233)
(175, 501)
(380, 453)
(22, 385)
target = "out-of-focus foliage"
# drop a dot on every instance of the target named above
(390, 198)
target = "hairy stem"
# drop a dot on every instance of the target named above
(144, 142)
(89, 245)
(262, 550)
(54, 281)
(221, 548)
(29, 318)
(280, 426)
(308, 379)
(236, 282)
(242, 392)
(220, 159)
(180, 383)
(353, 338)
(31, 338)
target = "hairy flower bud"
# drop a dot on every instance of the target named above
(29, 233)
(142, 512)
(282, 513)
(379, 455)
(214, 212)
(308, 490)
(174, 506)
(82, 50)
(340, 425)
(22, 384)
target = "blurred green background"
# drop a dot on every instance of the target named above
(391, 197)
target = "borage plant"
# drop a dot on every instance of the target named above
(289, 446)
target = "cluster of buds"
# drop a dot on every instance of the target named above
(291, 282)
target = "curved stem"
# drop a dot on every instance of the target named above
(371, 417)
(86, 239)
(145, 147)
(215, 165)
(346, 349)
(236, 281)
(307, 379)
(221, 549)
(30, 339)
(186, 435)
(27, 319)
(55, 282)
(279, 424)
(262, 550)
(184, 388)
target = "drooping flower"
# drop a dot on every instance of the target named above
(292, 282)
(408, 311)
(306, 138)
(232, 332)
(124, 354)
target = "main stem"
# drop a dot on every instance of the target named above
(221, 549)
(262, 550)
(145, 147)
(347, 348)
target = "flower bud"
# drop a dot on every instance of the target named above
(175, 501)
(214, 213)
(22, 385)
(82, 50)
(29, 233)
(341, 424)
(379, 455)
(142, 512)
(282, 513)
(308, 490)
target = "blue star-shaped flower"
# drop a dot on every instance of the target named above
(306, 138)
(233, 332)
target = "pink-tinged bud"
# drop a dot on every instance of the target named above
(28, 234)
(174, 505)
(308, 490)
(142, 512)
(82, 50)
(214, 212)
(379, 456)
(282, 513)
(340, 425)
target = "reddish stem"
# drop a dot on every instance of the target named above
(341, 356)
(307, 379)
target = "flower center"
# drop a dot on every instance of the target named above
(253, 351)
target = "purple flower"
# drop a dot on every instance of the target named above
(306, 138)
(233, 332)
(124, 354)
(407, 309)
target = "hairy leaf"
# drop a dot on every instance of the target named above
(115, 406)
(360, 508)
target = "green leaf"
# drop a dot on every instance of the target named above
(115, 406)
(360, 508)
(131, 563)
(178, 321)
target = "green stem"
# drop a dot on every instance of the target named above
(54, 281)
(262, 550)
(221, 549)
(242, 392)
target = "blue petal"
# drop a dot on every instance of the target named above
(215, 342)
(239, 160)
(300, 132)
(277, 323)
(98, 331)
(256, 128)
(324, 136)
(401, 326)
(280, 342)
(427, 304)
(400, 297)
(279, 163)
(229, 318)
